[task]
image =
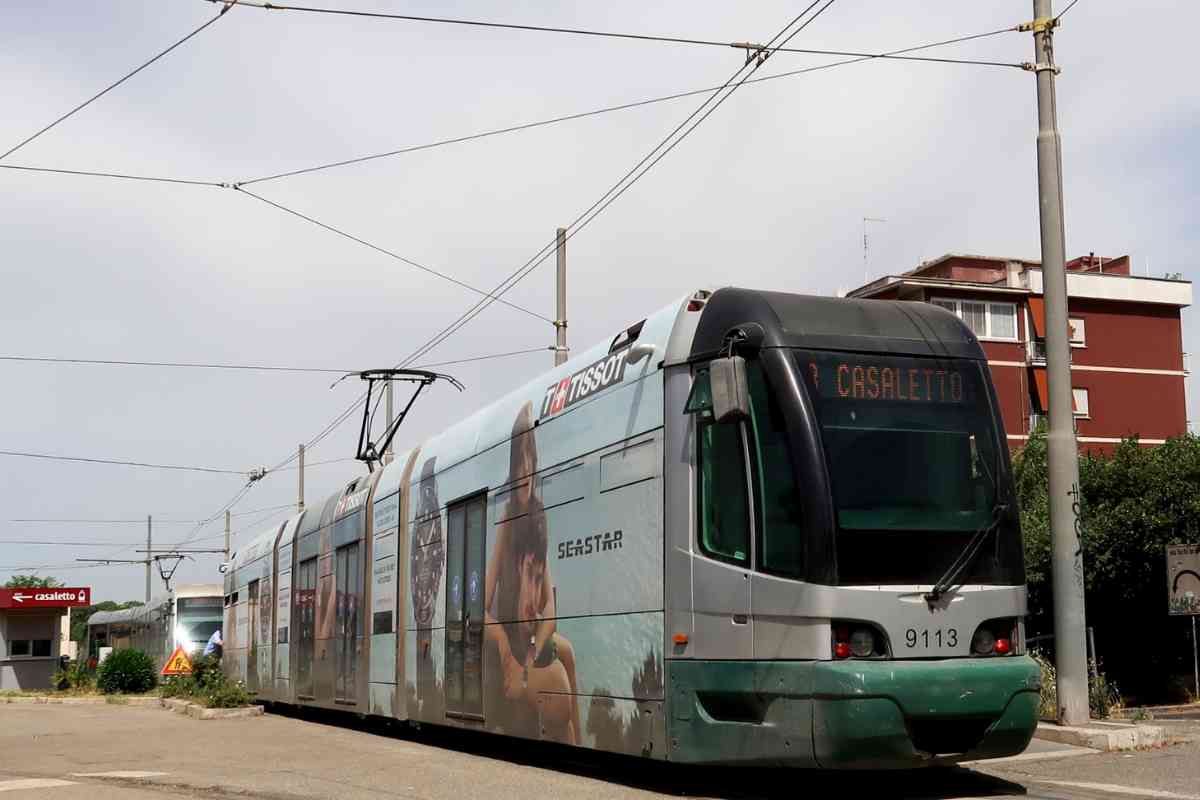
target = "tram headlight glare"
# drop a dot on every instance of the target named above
(983, 643)
(862, 642)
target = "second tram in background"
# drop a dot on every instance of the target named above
(753, 528)
(187, 616)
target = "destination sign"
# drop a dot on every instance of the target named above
(851, 377)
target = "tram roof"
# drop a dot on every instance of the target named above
(833, 323)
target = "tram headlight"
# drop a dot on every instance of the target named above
(862, 642)
(983, 643)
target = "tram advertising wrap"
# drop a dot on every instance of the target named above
(828, 573)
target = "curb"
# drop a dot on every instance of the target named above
(103, 700)
(197, 711)
(1104, 736)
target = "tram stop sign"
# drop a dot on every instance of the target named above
(1183, 579)
(178, 663)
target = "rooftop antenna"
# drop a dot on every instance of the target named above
(865, 220)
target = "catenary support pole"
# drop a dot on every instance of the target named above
(1195, 658)
(227, 537)
(1066, 556)
(560, 312)
(149, 556)
(387, 453)
(300, 488)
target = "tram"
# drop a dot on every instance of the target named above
(186, 616)
(752, 528)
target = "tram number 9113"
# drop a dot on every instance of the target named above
(931, 638)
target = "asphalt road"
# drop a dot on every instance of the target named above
(54, 752)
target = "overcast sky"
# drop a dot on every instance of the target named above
(769, 192)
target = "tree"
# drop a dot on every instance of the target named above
(1133, 504)
(32, 582)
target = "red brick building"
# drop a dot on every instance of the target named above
(1127, 360)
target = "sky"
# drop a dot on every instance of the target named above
(769, 192)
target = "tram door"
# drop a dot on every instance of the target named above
(346, 570)
(465, 532)
(304, 622)
(252, 638)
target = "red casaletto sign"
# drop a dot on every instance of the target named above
(63, 597)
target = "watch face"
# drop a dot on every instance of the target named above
(428, 549)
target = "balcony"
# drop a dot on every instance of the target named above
(1037, 352)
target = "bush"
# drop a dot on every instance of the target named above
(1048, 702)
(208, 685)
(1103, 697)
(127, 671)
(76, 677)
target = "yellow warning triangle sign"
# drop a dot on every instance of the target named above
(178, 663)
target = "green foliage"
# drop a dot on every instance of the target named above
(1134, 503)
(76, 677)
(1048, 702)
(81, 615)
(1103, 697)
(208, 685)
(32, 582)
(127, 671)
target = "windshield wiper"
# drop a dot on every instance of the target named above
(967, 556)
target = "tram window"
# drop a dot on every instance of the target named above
(779, 510)
(41, 648)
(724, 506)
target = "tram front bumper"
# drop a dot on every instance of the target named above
(852, 714)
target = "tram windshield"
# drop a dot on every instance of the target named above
(911, 446)
(198, 618)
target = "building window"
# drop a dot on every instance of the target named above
(1078, 332)
(37, 648)
(1079, 399)
(986, 320)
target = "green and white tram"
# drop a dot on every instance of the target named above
(753, 528)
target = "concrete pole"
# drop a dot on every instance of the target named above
(149, 557)
(1063, 453)
(227, 537)
(300, 472)
(560, 312)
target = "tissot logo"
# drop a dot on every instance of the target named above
(350, 502)
(593, 378)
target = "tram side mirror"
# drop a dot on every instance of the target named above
(730, 390)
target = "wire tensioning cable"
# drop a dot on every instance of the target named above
(117, 175)
(385, 251)
(181, 364)
(111, 86)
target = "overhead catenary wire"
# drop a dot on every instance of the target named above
(625, 106)
(116, 462)
(225, 7)
(178, 364)
(666, 145)
(1063, 13)
(142, 520)
(605, 199)
(644, 37)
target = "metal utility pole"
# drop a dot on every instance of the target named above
(560, 312)
(149, 546)
(387, 451)
(226, 534)
(300, 497)
(1066, 554)
(865, 221)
